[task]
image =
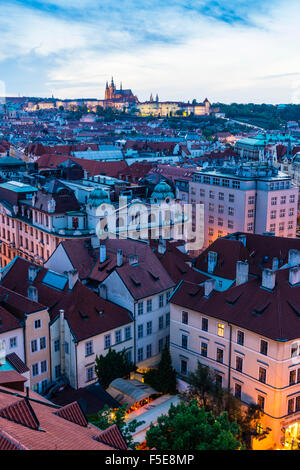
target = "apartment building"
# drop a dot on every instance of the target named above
(249, 335)
(80, 324)
(25, 331)
(251, 198)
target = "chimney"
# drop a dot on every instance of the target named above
(32, 273)
(275, 264)
(72, 278)
(294, 257)
(209, 286)
(242, 271)
(294, 276)
(243, 239)
(133, 259)
(268, 279)
(33, 294)
(102, 253)
(62, 340)
(212, 261)
(103, 291)
(119, 257)
(162, 246)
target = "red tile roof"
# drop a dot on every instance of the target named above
(17, 363)
(113, 437)
(72, 412)
(21, 412)
(273, 314)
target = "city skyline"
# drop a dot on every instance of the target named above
(228, 51)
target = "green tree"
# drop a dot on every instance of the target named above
(162, 379)
(112, 366)
(189, 427)
(202, 385)
(107, 417)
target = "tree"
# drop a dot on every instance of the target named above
(162, 379)
(112, 366)
(202, 385)
(189, 427)
(107, 417)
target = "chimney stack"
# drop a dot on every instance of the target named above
(294, 276)
(212, 261)
(162, 246)
(119, 257)
(294, 257)
(268, 279)
(72, 278)
(102, 253)
(209, 286)
(242, 271)
(275, 264)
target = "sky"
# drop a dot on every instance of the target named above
(225, 50)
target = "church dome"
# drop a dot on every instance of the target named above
(97, 197)
(162, 192)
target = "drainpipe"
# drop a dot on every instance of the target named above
(229, 357)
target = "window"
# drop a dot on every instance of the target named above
(211, 207)
(57, 371)
(220, 222)
(89, 373)
(219, 380)
(118, 336)
(169, 295)
(283, 200)
(291, 211)
(281, 227)
(261, 402)
(240, 338)
(161, 301)
(236, 184)
(204, 324)
(128, 356)
(168, 319)
(56, 345)
(13, 342)
(89, 348)
(239, 364)
(66, 347)
(204, 349)
(211, 194)
(149, 305)
(221, 196)
(37, 324)
(140, 354)
(43, 367)
(149, 350)
(292, 377)
(282, 213)
(184, 341)
(238, 391)
(230, 224)
(264, 347)
(107, 341)
(231, 198)
(43, 342)
(291, 406)
(149, 327)
(292, 198)
(251, 199)
(220, 354)
(35, 369)
(250, 227)
(161, 323)
(160, 345)
(168, 340)
(34, 345)
(273, 215)
(210, 219)
(185, 318)
(273, 201)
(262, 374)
(183, 367)
(140, 308)
(221, 329)
(127, 332)
(297, 403)
(230, 211)
(140, 331)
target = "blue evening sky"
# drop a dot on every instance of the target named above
(227, 50)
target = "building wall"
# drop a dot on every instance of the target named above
(19, 349)
(278, 363)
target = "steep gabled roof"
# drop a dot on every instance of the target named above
(72, 412)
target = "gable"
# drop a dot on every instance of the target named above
(59, 261)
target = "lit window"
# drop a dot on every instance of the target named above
(221, 328)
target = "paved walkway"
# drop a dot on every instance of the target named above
(149, 413)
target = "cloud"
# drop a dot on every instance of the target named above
(229, 50)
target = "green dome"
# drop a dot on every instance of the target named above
(97, 197)
(161, 192)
